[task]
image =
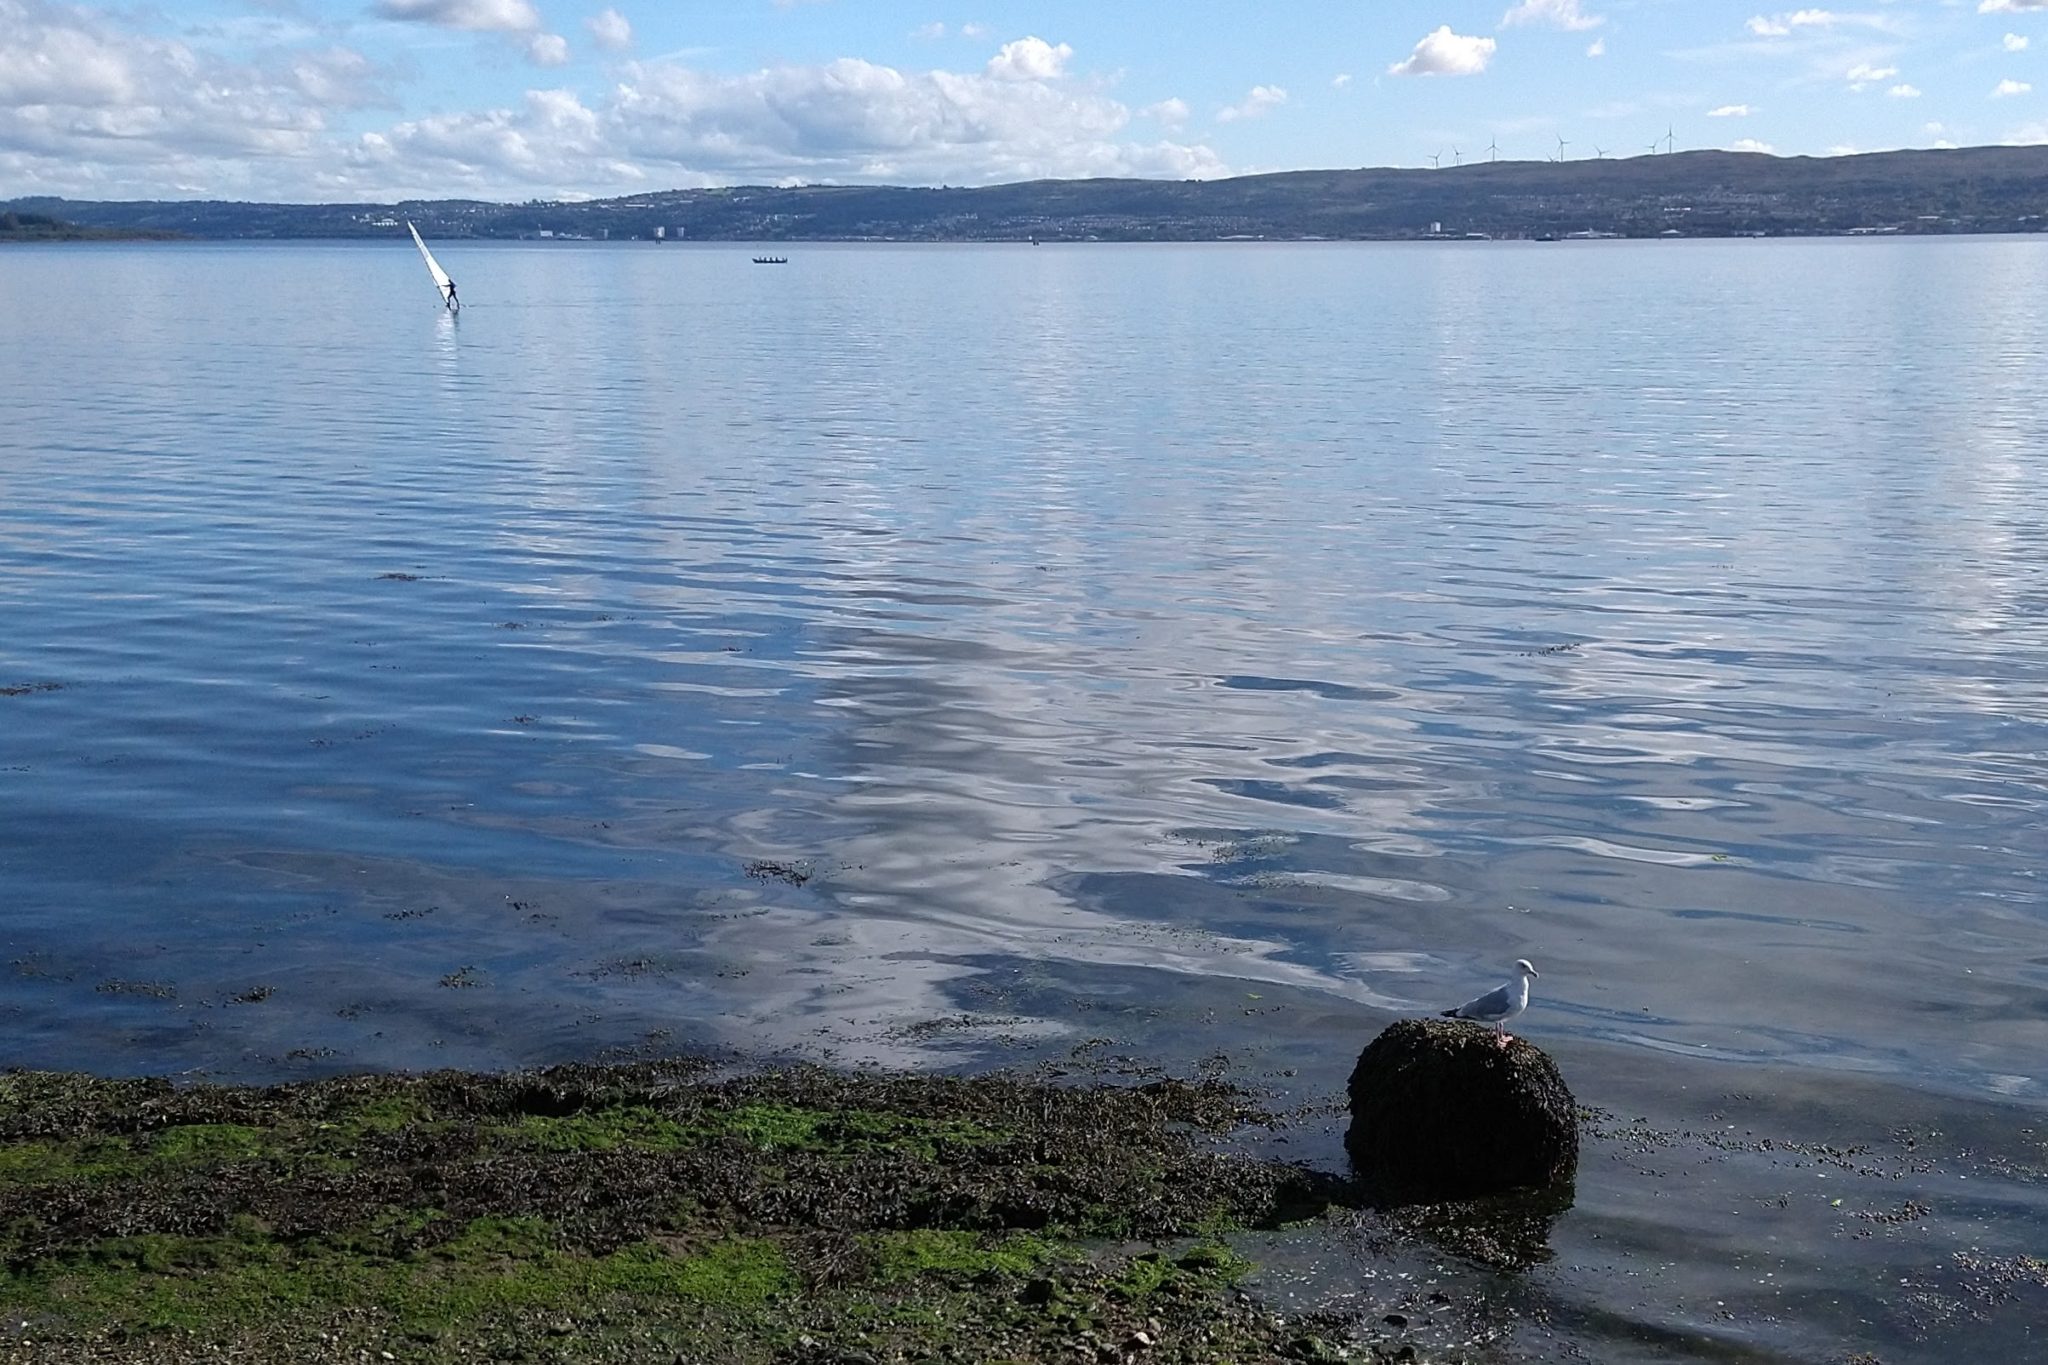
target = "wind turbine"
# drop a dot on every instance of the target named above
(1436, 162)
(1457, 157)
(1655, 145)
(1599, 152)
(1671, 138)
(1561, 145)
(1493, 150)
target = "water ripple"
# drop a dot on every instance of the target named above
(1057, 619)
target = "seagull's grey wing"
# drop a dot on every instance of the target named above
(1491, 1006)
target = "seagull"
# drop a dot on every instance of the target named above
(1500, 1004)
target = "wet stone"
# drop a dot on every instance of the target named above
(1441, 1110)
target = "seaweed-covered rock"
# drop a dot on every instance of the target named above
(1440, 1110)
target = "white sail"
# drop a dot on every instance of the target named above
(441, 280)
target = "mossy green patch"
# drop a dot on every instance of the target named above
(782, 1127)
(737, 1272)
(493, 1267)
(773, 1127)
(40, 1162)
(210, 1142)
(1214, 1258)
(384, 1114)
(1212, 1264)
(902, 1256)
(163, 1154)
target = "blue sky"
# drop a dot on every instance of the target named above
(517, 99)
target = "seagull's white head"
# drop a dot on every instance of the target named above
(1522, 966)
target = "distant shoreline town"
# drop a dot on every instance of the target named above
(1683, 194)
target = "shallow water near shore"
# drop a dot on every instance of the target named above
(943, 657)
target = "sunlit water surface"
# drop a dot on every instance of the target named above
(946, 656)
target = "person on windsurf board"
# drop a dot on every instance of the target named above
(443, 285)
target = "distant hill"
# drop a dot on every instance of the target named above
(18, 226)
(1693, 194)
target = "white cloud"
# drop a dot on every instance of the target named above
(1030, 59)
(90, 110)
(2006, 89)
(1750, 144)
(1781, 25)
(1340, 80)
(548, 49)
(1169, 113)
(84, 104)
(2011, 6)
(1444, 53)
(476, 16)
(855, 120)
(540, 141)
(337, 78)
(1262, 100)
(2015, 42)
(1597, 48)
(974, 30)
(1863, 75)
(1564, 14)
(929, 32)
(610, 30)
(1904, 91)
(1731, 111)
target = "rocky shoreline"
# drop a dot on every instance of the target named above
(671, 1211)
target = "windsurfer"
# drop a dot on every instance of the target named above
(451, 295)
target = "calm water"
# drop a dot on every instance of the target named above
(1205, 649)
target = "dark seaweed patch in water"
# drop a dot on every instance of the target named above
(768, 870)
(24, 689)
(155, 990)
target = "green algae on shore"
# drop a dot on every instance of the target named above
(654, 1211)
